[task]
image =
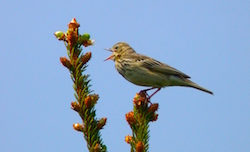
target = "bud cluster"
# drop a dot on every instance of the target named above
(72, 36)
(138, 119)
(85, 101)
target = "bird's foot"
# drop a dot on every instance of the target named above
(146, 94)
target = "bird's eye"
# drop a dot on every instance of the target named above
(116, 47)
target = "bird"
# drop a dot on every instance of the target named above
(142, 70)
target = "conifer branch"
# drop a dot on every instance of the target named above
(85, 100)
(138, 119)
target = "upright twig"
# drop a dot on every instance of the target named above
(85, 100)
(138, 119)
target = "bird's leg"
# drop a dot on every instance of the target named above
(145, 91)
(154, 93)
(148, 89)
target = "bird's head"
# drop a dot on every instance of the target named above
(118, 50)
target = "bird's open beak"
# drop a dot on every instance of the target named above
(109, 49)
(111, 56)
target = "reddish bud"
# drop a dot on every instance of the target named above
(153, 107)
(140, 99)
(86, 57)
(88, 43)
(128, 139)
(87, 101)
(73, 24)
(94, 97)
(101, 123)
(139, 146)
(137, 96)
(76, 106)
(65, 62)
(72, 36)
(130, 118)
(154, 117)
(78, 127)
(91, 100)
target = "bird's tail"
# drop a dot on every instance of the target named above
(196, 86)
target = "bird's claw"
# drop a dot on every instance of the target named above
(143, 93)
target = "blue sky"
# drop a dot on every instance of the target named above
(208, 40)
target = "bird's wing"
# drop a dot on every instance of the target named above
(156, 66)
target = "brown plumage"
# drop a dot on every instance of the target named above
(145, 71)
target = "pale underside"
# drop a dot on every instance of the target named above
(145, 71)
